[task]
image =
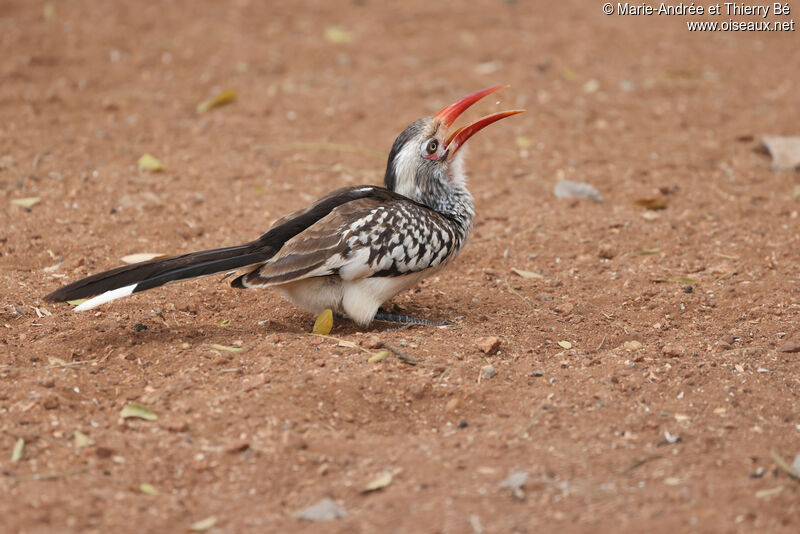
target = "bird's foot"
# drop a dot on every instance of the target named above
(406, 319)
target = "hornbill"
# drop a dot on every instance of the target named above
(353, 249)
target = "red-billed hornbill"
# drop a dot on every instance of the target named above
(353, 249)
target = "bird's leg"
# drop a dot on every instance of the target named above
(406, 319)
(395, 318)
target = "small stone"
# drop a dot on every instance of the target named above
(236, 446)
(632, 345)
(373, 342)
(537, 374)
(452, 404)
(139, 327)
(606, 251)
(569, 189)
(673, 351)
(488, 371)
(320, 362)
(103, 452)
(515, 481)
(789, 346)
(48, 382)
(565, 308)
(324, 510)
(488, 345)
(50, 402)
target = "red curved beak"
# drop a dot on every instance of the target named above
(450, 113)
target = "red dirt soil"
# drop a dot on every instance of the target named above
(637, 106)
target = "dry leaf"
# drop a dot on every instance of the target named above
(227, 348)
(19, 450)
(203, 524)
(148, 489)
(785, 152)
(523, 142)
(81, 440)
(651, 203)
(27, 202)
(526, 274)
(149, 163)
(338, 35)
(647, 251)
(763, 494)
(138, 411)
(378, 356)
(141, 256)
(383, 480)
(76, 302)
(224, 97)
(324, 323)
(565, 345)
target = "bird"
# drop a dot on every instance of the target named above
(353, 249)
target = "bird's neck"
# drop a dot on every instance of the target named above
(453, 200)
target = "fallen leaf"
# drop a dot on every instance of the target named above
(763, 494)
(378, 356)
(81, 440)
(203, 524)
(323, 510)
(141, 256)
(27, 202)
(217, 346)
(569, 189)
(651, 203)
(383, 480)
(565, 345)
(324, 323)
(19, 450)
(138, 411)
(647, 251)
(527, 274)
(149, 163)
(225, 97)
(785, 152)
(148, 489)
(76, 302)
(338, 35)
(523, 142)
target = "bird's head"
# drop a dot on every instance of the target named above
(425, 163)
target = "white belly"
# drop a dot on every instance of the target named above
(359, 299)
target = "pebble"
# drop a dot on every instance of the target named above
(569, 189)
(488, 345)
(50, 402)
(324, 510)
(488, 371)
(632, 345)
(606, 251)
(673, 351)
(373, 342)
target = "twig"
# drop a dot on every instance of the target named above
(601, 342)
(516, 293)
(402, 355)
(639, 463)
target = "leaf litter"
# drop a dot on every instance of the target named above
(220, 99)
(150, 163)
(324, 323)
(27, 202)
(137, 411)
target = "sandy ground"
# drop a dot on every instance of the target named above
(659, 414)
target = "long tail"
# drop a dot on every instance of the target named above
(128, 279)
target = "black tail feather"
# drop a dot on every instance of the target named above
(157, 272)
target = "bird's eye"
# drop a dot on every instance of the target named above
(431, 146)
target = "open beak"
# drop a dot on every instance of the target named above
(449, 114)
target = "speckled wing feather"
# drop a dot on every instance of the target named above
(377, 235)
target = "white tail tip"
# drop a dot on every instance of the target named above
(108, 296)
